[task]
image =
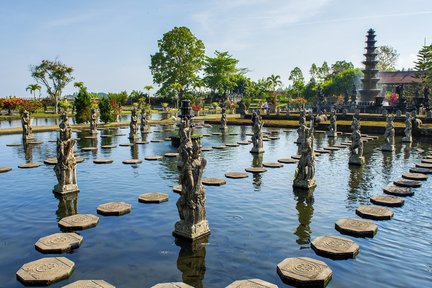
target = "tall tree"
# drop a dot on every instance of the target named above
(33, 88)
(387, 58)
(275, 81)
(82, 103)
(424, 64)
(54, 75)
(180, 57)
(296, 76)
(340, 66)
(323, 72)
(219, 73)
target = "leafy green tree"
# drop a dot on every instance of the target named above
(323, 72)
(82, 103)
(33, 88)
(340, 66)
(54, 75)
(314, 72)
(275, 81)
(180, 57)
(387, 58)
(296, 76)
(148, 88)
(106, 110)
(219, 73)
(424, 64)
(342, 82)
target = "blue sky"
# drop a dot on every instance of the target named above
(109, 42)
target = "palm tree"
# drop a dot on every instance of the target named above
(33, 88)
(275, 81)
(148, 88)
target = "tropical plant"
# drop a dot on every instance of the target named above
(106, 110)
(296, 76)
(82, 103)
(275, 81)
(54, 75)
(64, 105)
(424, 64)
(33, 88)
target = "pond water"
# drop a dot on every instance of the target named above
(255, 222)
(50, 121)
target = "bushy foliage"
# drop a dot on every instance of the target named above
(20, 104)
(106, 110)
(82, 104)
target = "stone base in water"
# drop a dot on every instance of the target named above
(304, 184)
(331, 134)
(193, 232)
(407, 139)
(65, 189)
(257, 150)
(356, 160)
(387, 147)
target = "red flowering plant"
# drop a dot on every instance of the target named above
(392, 98)
(197, 107)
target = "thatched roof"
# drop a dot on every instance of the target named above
(399, 77)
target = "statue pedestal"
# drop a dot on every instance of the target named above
(304, 184)
(387, 147)
(198, 230)
(257, 150)
(65, 189)
(356, 160)
(331, 134)
(28, 137)
(407, 139)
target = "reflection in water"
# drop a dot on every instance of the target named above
(319, 139)
(134, 151)
(331, 141)
(407, 150)
(68, 205)
(357, 193)
(28, 150)
(305, 211)
(257, 162)
(191, 260)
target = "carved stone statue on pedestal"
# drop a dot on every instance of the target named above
(389, 135)
(133, 126)
(193, 223)
(356, 148)
(65, 169)
(93, 121)
(408, 128)
(332, 130)
(305, 171)
(257, 138)
(144, 119)
(301, 129)
(223, 119)
(26, 126)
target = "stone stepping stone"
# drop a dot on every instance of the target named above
(216, 133)
(297, 157)
(167, 139)
(251, 283)
(421, 170)
(428, 161)
(153, 198)
(335, 247)
(59, 243)
(207, 125)
(153, 158)
(177, 189)
(272, 165)
(45, 271)
(356, 227)
(79, 160)
(29, 165)
(106, 136)
(172, 285)
(407, 183)
(415, 176)
(266, 139)
(132, 161)
(126, 144)
(304, 272)
(205, 149)
(424, 165)
(89, 284)
(331, 148)
(236, 175)
(428, 157)
(172, 154)
(243, 142)
(274, 138)
(34, 142)
(103, 161)
(322, 151)
(249, 134)
(374, 212)
(206, 135)
(108, 146)
(52, 141)
(5, 169)
(221, 147)
(385, 200)
(340, 146)
(398, 191)
(120, 134)
(114, 208)
(141, 142)
(157, 131)
(79, 222)
(234, 134)
(50, 161)
(347, 143)
(90, 137)
(14, 145)
(256, 170)
(157, 140)
(211, 181)
(89, 148)
(287, 161)
(232, 145)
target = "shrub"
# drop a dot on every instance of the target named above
(106, 110)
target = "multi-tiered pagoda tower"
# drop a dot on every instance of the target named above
(370, 91)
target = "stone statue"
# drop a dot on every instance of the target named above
(26, 126)
(93, 121)
(144, 119)
(389, 135)
(257, 138)
(301, 129)
(65, 169)
(242, 109)
(356, 148)
(408, 128)
(305, 172)
(191, 204)
(133, 126)
(223, 119)
(332, 130)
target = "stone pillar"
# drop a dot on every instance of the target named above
(144, 120)
(133, 125)
(93, 121)
(332, 130)
(223, 119)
